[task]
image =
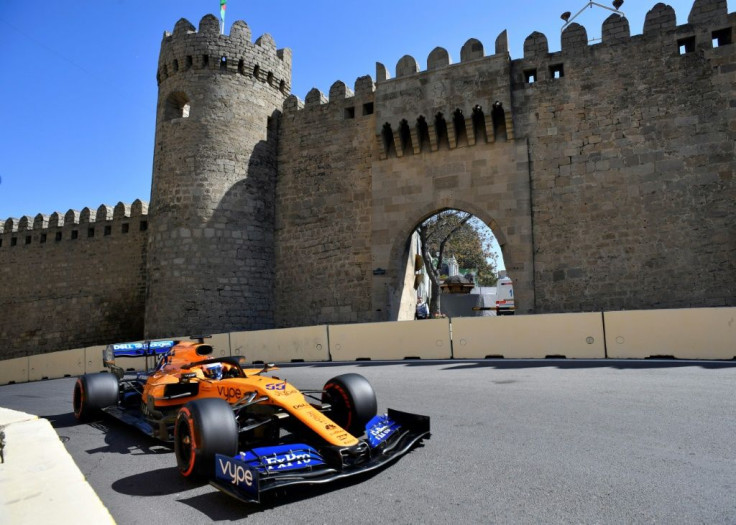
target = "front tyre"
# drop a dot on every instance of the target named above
(204, 428)
(92, 393)
(353, 402)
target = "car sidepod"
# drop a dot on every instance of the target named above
(248, 475)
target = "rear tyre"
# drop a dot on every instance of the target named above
(204, 428)
(353, 402)
(93, 392)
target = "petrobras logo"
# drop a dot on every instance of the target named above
(236, 473)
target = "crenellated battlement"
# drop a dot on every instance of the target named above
(708, 23)
(364, 86)
(415, 121)
(709, 26)
(352, 103)
(188, 49)
(88, 223)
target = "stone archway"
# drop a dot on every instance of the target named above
(407, 190)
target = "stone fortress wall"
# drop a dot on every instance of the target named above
(633, 156)
(73, 278)
(605, 171)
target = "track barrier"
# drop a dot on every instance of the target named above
(693, 333)
(529, 336)
(308, 343)
(426, 339)
(696, 333)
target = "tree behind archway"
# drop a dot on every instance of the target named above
(450, 233)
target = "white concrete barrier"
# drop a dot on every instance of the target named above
(529, 336)
(426, 339)
(56, 364)
(39, 481)
(308, 343)
(693, 333)
(14, 371)
(93, 359)
(220, 345)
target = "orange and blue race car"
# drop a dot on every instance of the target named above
(241, 428)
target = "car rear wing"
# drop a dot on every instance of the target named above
(143, 349)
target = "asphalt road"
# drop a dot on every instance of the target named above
(550, 441)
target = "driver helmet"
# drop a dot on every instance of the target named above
(213, 371)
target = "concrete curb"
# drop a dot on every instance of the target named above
(39, 481)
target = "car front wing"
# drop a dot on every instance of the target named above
(250, 474)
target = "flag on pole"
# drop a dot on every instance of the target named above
(223, 6)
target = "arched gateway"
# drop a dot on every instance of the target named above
(406, 191)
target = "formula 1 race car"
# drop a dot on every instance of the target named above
(245, 432)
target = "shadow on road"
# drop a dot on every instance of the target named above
(65, 420)
(501, 363)
(119, 437)
(160, 482)
(219, 507)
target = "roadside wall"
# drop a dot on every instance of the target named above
(701, 334)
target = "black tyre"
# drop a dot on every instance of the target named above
(93, 392)
(204, 428)
(353, 402)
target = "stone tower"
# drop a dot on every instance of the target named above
(210, 251)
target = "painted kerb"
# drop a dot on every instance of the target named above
(529, 336)
(694, 333)
(427, 339)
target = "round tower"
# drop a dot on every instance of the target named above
(211, 215)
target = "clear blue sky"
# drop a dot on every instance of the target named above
(78, 83)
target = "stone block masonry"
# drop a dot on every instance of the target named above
(605, 171)
(210, 266)
(324, 203)
(72, 280)
(632, 153)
